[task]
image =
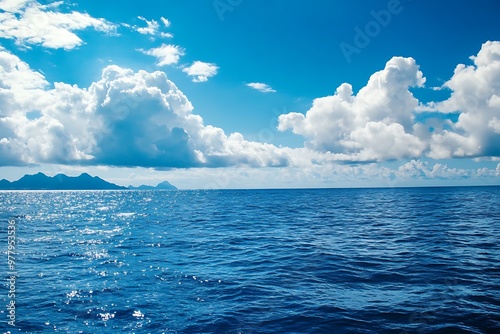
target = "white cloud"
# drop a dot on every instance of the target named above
(13, 6)
(146, 120)
(17, 75)
(166, 54)
(476, 97)
(422, 170)
(261, 87)
(166, 35)
(494, 123)
(165, 22)
(376, 124)
(377, 141)
(152, 27)
(413, 173)
(56, 134)
(379, 124)
(201, 71)
(30, 23)
(126, 118)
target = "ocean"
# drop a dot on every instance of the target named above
(395, 260)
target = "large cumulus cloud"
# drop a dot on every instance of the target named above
(144, 119)
(126, 118)
(375, 124)
(378, 123)
(476, 98)
(25, 138)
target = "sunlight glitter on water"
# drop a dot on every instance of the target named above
(282, 261)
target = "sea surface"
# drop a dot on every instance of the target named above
(398, 260)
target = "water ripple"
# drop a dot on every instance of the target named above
(276, 261)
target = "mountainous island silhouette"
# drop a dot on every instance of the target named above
(40, 181)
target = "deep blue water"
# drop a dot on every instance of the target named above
(424, 260)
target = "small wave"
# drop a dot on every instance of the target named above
(138, 314)
(106, 316)
(125, 214)
(97, 254)
(87, 230)
(250, 263)
(72, 294)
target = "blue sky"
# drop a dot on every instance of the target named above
(252, 94)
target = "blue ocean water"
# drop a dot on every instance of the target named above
(421, 260)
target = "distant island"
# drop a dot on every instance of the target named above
(40, 181)
(165, 185)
